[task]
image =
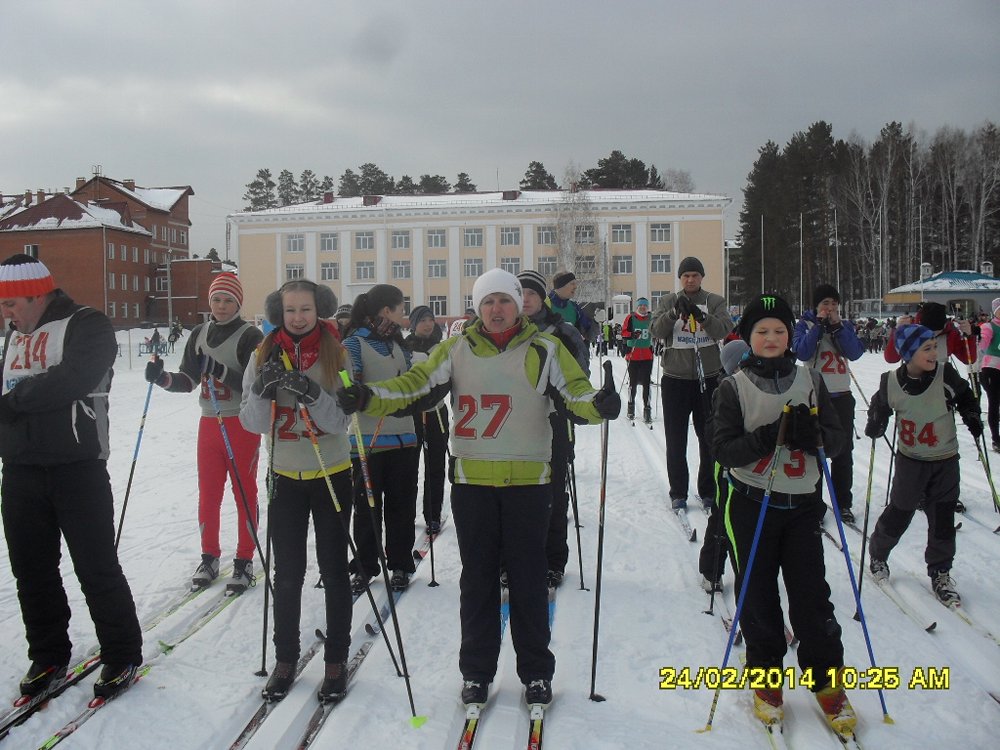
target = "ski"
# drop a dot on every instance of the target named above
(266, 707)
(25, 707)
(536, 717)
(832, 538)
(682, 519)
(181, 601)
(322, 712)
(963, 615)
(889, 591)
(92, 708)
(472, 713)
(206, 617)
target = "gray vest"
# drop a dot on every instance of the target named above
(832, 365)
(293, 450)
(926, 427)
(226, 353)
(377, 368)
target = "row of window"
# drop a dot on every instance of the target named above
(148, 255)
(112, 280)
(364, 270)
(584, 234)
(114, 309)
(162, 232)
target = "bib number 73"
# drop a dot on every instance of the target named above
(468, 407)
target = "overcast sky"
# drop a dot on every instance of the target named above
(206, 92)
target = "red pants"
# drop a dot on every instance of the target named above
(213, 467)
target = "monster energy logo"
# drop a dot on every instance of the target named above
(768, 302)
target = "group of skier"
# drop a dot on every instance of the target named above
(347, 407)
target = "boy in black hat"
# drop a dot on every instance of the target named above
(828, 343)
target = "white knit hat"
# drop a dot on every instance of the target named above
(496, 280)
(996, 307)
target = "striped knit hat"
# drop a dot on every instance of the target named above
(911, 337)
(533, 280)
(24, 276)
(227, 283)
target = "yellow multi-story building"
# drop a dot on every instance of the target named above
(433, 247)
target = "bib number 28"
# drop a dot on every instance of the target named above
(469, 407)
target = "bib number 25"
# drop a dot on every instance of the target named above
(469, 407)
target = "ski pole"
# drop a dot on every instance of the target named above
(984, 459)
(369, 491)
(267, 543)
(571, 491)
(251, 521)
(434, 516)
(864, 531)
(744, 580)
(847, 557)
(697, 353)
(135, 458)
(609, 386)
(970, 348)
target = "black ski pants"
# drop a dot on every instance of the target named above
(931, 486)
(638, 374)
(288, 523)
(715, 547)
(683, 402)
(432, 432)
(556, 546)
(989, 379)
(394, 486)
(842, 465)
(790, 543)
(503, 525)
(73, 500)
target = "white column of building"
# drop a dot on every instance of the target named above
(346, 272)
(528, 243)
(454, 256)
(675, 236)
(310, 268)
(642, 284)
(491, 246)
(382, 256)
(417, 267)
(279, 269)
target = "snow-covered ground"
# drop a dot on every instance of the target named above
(201, 694)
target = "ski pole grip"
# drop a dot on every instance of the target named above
(814, 412)
(345, 378)
(609, 378)
(783, 424)
(693, 323)
(285, 360)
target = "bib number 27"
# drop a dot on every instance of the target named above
(469, 407)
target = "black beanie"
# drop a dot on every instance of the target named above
(933, 315)
(689, 264)
(562, 279)
(824, 291)
(766, 306)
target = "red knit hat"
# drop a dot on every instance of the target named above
(24, 276)
(227, 283)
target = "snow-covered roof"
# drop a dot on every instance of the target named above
(481, 200)
(161, 198)
(946, 281)
(62, 212)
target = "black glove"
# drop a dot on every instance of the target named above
(878, 418)
(802, 432)
(768, 435)
(682, 307)
(699, 314)
(304, 389)
(354, 398)
(608, 404)
(975, 424)
(267, 379)
(154, 369)
(212, 367)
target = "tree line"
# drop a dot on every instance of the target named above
(614, 171)
(868, 214)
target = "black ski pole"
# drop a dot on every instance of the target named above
(435, 516)
(571, 490)
(135, 458)
(609, 386)
(267, 544)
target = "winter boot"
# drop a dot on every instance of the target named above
(281, 680)
(996, 445)
(207, 572)
(647, 415)
(114, 679)
(538, 693)
(847, 515)
(334, 686)
(944, 588)
(504, 579)
(837, 709)
(678, 503)
(555, 578)
(399, 581)
(879, 570)
(767, 705)
(475, 692)
(359, 583)
(40, 676)
(242, 577)
(630, 411)
(711, 586)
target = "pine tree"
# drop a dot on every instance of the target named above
(433, 185)
(260, 192)
(309, 189)
(373, 181)
(618, 171)
(326, 186)
(464, 184)
(349, 185)
(406, 186)
(655, 182)
(288, 191)
(537, 177)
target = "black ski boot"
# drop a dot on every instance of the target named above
(334, 686)
(114, 679)
(40, 676)
(280, 682)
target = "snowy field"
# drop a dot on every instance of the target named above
(201, 694)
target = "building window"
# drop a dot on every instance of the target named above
(546, 235)
(436, 238)
(135, 283)
(401, 269)
(135, 310)
(584, 234)
(154, 231)
(295, 243)
(112, 309)
(659, 264)
(510, 236)
(173, 235)
(123, 255)
(466, 302)
(654, 298)
(124, 310)
(659, 233)
(124, 282)
(511, 265)
(31, 250)
(135, 255)
(184, 237)
(329, 271)
(621, 233)
(145, 255)
(621, 264)
(473, 237)
(406, 305)
(111, 281)
(328, 242)
(294, 271)
(401, 240)
(147, 284)
(586, 264)
(111, 251)
(364, 270)
(437, 269)
(364, 240)
(473, 267)
(547, 266)
(161, 283)
(439, 305)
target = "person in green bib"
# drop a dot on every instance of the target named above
(635, 332)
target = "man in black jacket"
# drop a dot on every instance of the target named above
(54, 444)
